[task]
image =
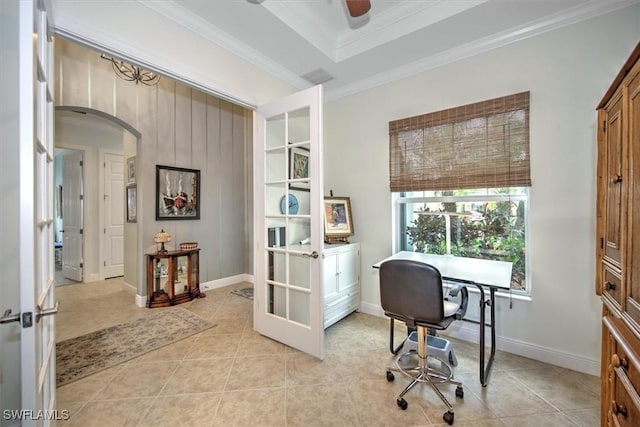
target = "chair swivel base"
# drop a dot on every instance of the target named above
(423, 373)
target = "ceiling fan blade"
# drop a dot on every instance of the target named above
(358, 7)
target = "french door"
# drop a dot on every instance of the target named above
(288, 221)
(28, 387)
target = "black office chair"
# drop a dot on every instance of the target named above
(411, 292)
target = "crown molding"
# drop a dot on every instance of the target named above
(306, 25)
(112, 45)
(573, 16)
(192, 22)
(397, 21)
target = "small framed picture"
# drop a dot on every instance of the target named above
(132, 203)
(299, 168)
(131, 170)
(177, 193)
(338, 223)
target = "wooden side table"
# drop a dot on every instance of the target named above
(173, 277)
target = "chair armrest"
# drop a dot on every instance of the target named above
(464, 299)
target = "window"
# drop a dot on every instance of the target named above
(487, 224)
(461, 178)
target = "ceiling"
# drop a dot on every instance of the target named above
(316, 41)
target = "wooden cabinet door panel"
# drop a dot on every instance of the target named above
(633, 245)
(613, 183)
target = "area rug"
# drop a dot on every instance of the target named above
(244, 292)
(88, 354)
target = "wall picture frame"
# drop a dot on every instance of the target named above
(131, 170)
(177, 193)
(132, 203)
(338, 222)
(299, 168)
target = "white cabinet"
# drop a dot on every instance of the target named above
(340, 281)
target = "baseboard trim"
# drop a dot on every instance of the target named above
(470, 333)
(225, 281)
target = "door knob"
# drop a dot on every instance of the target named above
(313, 255)
(47, 311)
(7, 317)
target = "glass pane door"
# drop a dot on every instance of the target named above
(287, 145)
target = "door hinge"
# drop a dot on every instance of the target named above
(81, 231)
(81, 264)
(104, 263)
(604, 126)
(81, 163)
(82, 197)
(601, 243)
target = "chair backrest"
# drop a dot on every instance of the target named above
(411, 291)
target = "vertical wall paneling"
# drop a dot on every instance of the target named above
(238, 160)
(125, 98)
(183, 147)
(227, 192)
(198, 123)
(179, 126)
(101, 86)
(210, 192)
(73, 62)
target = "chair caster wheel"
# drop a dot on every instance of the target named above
(460, 392)
(390, 376)
(448, 417)
(402, 404)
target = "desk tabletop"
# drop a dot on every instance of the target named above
(479, 271)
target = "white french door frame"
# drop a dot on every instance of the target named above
(308, 338)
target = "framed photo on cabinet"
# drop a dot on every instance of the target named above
(338, 223)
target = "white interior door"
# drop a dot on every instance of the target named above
(30, 245)
(113, 243)
(288, 211)
(72, 218)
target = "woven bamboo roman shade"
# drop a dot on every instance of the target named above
(481, 145)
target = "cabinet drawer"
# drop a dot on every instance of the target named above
(623, 409)
(612, 284)
(346, 304)
(624, 366)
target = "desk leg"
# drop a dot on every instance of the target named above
(485, 370)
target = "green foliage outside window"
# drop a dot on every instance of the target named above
(494, 230)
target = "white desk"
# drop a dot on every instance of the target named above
(480, 273)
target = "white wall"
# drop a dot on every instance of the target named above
(567, 72)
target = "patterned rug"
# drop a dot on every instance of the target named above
(79, 357)
(244, 292)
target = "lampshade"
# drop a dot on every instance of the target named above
(162, 237)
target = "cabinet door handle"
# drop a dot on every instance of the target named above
(618, 361)
(609, 286)
(617, 179)
(618, 409)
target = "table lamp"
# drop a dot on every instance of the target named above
(162, 237)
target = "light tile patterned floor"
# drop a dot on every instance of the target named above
(231, 376)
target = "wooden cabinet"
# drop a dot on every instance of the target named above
(618, 245)
(340, 281)
(173, 277)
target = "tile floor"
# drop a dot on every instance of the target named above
(231, 376)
